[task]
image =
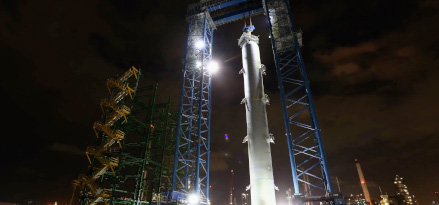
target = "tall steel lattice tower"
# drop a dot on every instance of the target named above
(307, 157)
(192, 153)
(311, 179)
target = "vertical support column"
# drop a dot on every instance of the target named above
(191, 161)
(304, 140)
(208, 125)
(141, 175)
(282, 95)
(165, 147)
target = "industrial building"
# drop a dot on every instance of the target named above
(402, 193)
(355, 199)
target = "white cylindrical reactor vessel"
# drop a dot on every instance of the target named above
(258, 138)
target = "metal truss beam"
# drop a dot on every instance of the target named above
(212, 5)
(307, 158)
(192, 153)
(226, 11)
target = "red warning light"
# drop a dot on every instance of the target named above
(363, 182)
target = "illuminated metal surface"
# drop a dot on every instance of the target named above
(192, 153)
(258, 138)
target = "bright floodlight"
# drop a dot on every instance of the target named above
(212, 67)
(199, 44)
(198, 64)
(193, 199)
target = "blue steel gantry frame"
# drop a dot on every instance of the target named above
(192, 153)
(191, 168)
(307, 158)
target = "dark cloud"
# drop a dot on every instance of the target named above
(65, 148)
(24, 171)
(12, 9)
(389, 123)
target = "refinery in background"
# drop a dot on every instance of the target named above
(401, 197)
(402, 192)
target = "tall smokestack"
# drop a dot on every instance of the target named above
(258, 139)
(363, 182)
(231, 188)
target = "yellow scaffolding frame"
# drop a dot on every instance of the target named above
(121, 81)
(113, 136)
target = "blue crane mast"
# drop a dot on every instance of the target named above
(307, 157)
(311, 179)
(192, 153)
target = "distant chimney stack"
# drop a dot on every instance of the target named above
(363, 182)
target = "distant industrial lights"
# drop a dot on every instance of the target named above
(199, 44)
(212, 67)
(193, 199)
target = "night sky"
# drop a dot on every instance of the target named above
(373, 67)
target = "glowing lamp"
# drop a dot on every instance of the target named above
(193, 199)
(198, 64)
(199, 44)
(212, 67)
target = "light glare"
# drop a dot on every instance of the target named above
(193, 199)
(199, 44)
(212, 67)
(198, 64)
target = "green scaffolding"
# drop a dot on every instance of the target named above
(144, 155)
